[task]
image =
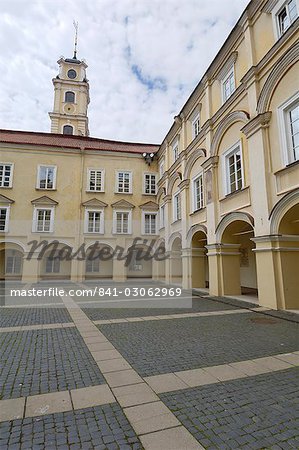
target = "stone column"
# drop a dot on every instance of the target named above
(30, 272)
(224, 269)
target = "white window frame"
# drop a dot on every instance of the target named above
(10, 175)
(275, 16)
(6, 226)
(129, 212)
(162, 217)
(150, 174)
(231, 72)
(175, 150)
(102, 171)
(117, 191)
(194, 197)
(161, 168)
(35, 218)
(226, 175)
(175, 211)
(195, 123)
(38, 177)
(86, 220)
(153, 213)
(284, 129)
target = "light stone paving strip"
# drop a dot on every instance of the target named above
(175, 316)
(54, 402)
(144, 410)
(48, 326)
(215, 374)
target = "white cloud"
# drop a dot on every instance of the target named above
(129, 45)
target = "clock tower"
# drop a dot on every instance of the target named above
(71, 98)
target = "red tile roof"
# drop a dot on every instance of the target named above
(67, 141)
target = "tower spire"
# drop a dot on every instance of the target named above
(76, 25)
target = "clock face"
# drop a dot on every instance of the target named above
(72, 74)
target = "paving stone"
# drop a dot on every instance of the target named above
(135, 394)
(113, 365)
(13, 317)
(91, 396)
(165, 383)
(104, 355)
(44, 404)
(224, 372)
(196, 377)
(12, 409)
(174, 439)
(123, 378)
(150, 417)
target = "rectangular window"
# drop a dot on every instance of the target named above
(93, 265)
(176, 207)
(150, 183)
(13, 263)
(228, 85)
(175, 151)
(234, 170)
(195, 126)
(286, 16)
(44, 218)
(46, 177)
(198, 201)
(150, 223)
(94, 221)
(124, 182)
(293, 116)
(53, 265)
(162, 216)
(122, 223)
(95, 180)
(6, 170)
(4, 219)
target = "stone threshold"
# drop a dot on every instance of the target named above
(47, 326)
(55, 402)
(225, 372)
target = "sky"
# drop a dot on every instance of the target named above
(144, 59)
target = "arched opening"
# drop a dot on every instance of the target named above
(56, 264)
(200, 267)
(69, 97)
(289, 256)
(238, 259)
(139, 262)
(11, 261)
(68, 129)
(176, 266)
(99, 262)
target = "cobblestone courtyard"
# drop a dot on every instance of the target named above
(220, 374)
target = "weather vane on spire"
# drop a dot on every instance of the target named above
(76, 25)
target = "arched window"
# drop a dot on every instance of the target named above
(68, 129)
(69, 97)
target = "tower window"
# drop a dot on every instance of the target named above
(72, 74)
(68, 129)
(69, 97)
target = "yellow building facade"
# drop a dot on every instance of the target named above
(221, 194)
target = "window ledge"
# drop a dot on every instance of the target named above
(176, 221)
(45, 189)
(94, 192)
(197, 211)
(123, 193)
(151, 195)
(5, 187)
(231, 194)
(288, 166)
